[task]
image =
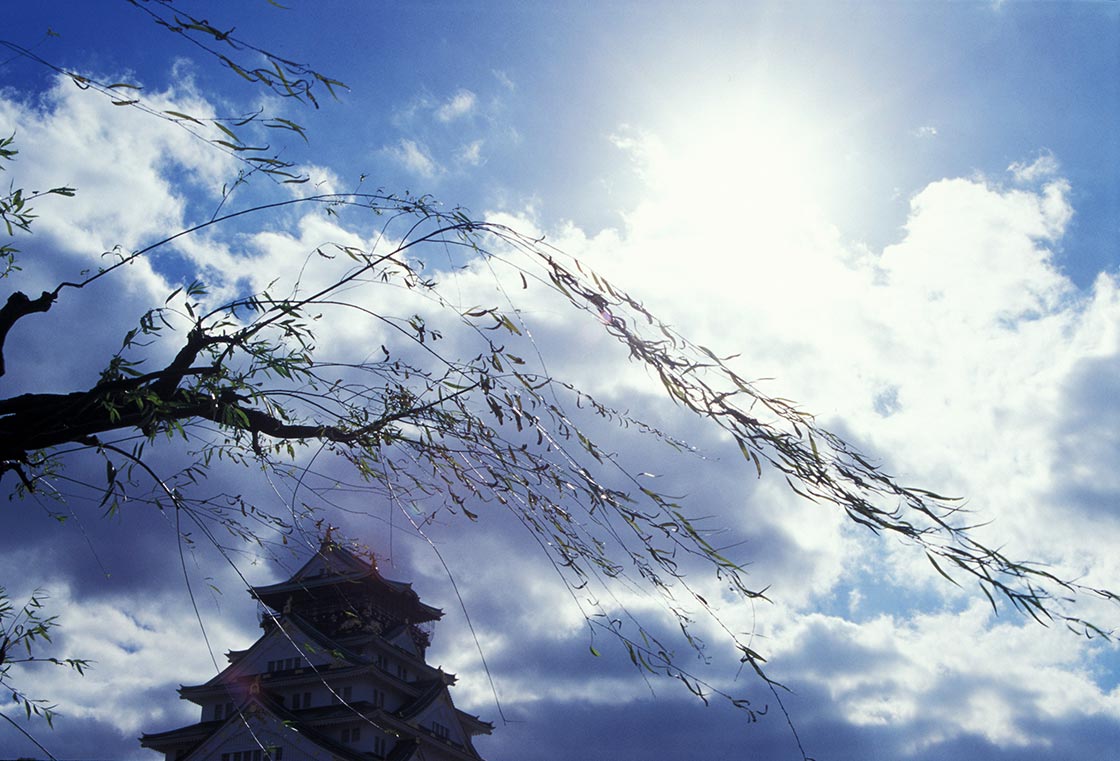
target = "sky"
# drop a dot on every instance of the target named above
(905, 216)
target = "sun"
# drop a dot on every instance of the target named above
(743, 158)
(735, 219)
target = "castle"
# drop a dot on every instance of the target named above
(339, 674)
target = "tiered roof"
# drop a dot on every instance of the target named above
(336, 576)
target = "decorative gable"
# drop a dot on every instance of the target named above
(333, 561)
(442, 721)
(257, 734)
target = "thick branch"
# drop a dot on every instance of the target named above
(180, 367)
(20, 305)
(41, 421)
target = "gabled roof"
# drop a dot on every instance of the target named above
(267, 720)
(426, 698)
(335, 566)
(191, 734)
(304, 633)
(434, 691)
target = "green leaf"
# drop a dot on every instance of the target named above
(507, 323)
(181, 115)
(226, 130)
(947, 576)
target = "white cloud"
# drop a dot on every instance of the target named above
(938, 676)
(128, 642)
(130, 171)
(1045, 166)
(979, 255)
(415, 157)
(470, 154)
(504, 79)
(124, 194)
(458, 106)
(445, 137)
(320, 180)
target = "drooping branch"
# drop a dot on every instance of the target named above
(816, 463)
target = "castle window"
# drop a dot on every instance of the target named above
(272, 753)
(440, 731)
(351, 734)
(379, 746)
(285, 664)
(378, 699)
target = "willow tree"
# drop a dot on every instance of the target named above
(246, 380)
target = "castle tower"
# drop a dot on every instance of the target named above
(339, 674)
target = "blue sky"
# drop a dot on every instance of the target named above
(906, 215)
